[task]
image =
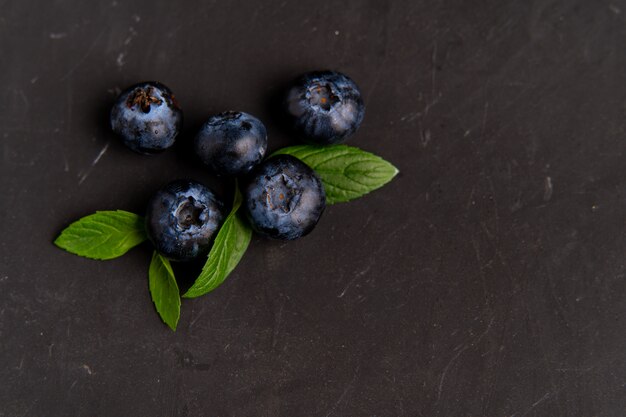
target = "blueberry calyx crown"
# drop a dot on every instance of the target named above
(322, 95)
(143, 97)
(281, 193)
(190, 213)
(230, 115)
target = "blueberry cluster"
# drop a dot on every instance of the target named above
(283, 197)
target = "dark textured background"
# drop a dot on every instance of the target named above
(487, 279)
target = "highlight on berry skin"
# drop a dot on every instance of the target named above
(231, 143)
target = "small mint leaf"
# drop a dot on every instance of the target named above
(164, 290)
(230, 244)
(347, 172)
(103, 235)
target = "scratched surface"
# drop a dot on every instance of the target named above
(487, 280)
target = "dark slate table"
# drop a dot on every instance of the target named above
(487, 279)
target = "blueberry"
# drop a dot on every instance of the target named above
(147, 117)
(283, 198)
(182, 219)
(231, 143)
(325, 107)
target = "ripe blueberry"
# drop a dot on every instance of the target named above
(325, 107)
(283, 198)
(147, 117)
(231, 143)
(182, 219)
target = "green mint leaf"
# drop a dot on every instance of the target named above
(103, 235)
(230, 244)
(347, 172)
(164, 290)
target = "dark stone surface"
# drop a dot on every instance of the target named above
(487, 279)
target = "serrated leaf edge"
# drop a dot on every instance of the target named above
(67, 232)
(198, 290)
(163, 262)
(342, 151)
